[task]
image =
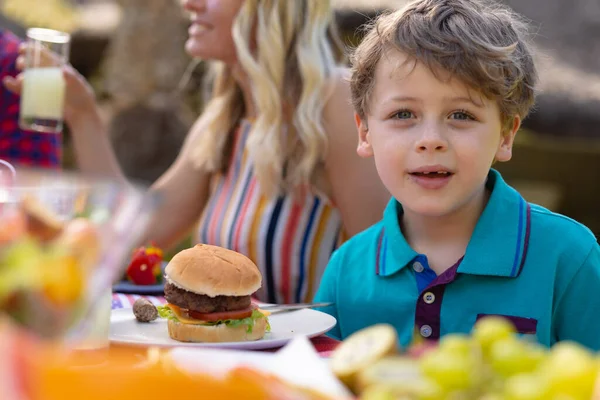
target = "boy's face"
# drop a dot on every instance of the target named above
(433, 145)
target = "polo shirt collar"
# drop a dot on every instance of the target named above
(499, 243)
(497, 247)
(393, 242)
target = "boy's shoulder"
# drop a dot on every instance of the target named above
(564, 235)
(551, 223)
(362, 243)
(356, 257)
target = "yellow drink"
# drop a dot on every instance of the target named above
(42, 99)
(43, 93)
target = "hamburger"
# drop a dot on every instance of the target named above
(208, 291)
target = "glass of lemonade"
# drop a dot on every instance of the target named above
(43, 93)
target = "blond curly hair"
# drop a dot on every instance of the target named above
(297, 54)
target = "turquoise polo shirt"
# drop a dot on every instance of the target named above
(537, 268)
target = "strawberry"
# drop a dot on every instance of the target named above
(145, 266)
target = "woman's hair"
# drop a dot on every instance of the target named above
(289, 49)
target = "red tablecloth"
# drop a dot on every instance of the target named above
(323, 344)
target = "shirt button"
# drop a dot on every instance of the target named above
(418, 267)
(429, 298)
(426, 331)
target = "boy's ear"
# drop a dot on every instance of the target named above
(504, 152)
(364, 145)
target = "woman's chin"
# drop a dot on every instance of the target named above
(194, 49)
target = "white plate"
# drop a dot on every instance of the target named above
(125, 329)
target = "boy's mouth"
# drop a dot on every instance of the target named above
(431, 177)
(433, 174)
(431, 171)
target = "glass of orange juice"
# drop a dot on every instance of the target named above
(43, 93)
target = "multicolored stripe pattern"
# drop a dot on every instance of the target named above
(289, 239)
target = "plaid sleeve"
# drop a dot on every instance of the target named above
(24, 148)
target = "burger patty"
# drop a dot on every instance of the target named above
(202, 303)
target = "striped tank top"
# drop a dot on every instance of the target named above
(289, 239)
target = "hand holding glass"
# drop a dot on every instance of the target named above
(43, 93)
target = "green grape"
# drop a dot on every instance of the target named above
(378, 392)
(450, 371)
(430, 390)
(564, 397)
(390, 371)
(461, 345)
(570, 370)
(424, 389)
(494, 383)
(401, 376)
(492, 396)
(511, 356)
(525, 387)
(489, 330)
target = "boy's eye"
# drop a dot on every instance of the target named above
(461, 116)
(403, 114)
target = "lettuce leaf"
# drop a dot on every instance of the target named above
(166, 313)
(249, 321)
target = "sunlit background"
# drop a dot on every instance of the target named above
(132, 52)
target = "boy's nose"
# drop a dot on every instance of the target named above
(431, 139)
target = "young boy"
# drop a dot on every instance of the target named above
(440, 89)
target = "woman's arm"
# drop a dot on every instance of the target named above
(182, 188)
(91, 141)
(184, 191)
(358, 192)
(92, 145)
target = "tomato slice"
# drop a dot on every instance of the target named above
(221, 316)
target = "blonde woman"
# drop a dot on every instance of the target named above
(270, 168)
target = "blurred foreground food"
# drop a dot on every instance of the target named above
(45, 262)
(64, 240)
(493, 363)
(39, 371)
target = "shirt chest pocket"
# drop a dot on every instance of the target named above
(523, 325)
